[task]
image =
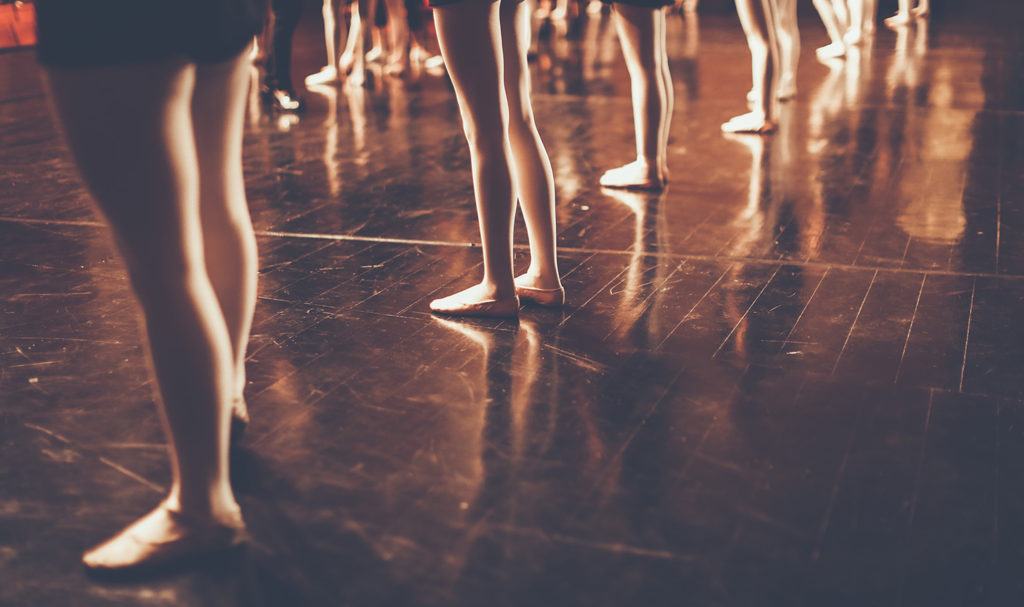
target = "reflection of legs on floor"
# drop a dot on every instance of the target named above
(137, 153)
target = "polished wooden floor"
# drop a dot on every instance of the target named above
(793, 378)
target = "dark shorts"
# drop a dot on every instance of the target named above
(94, 33)
(437, 3)
(642, 3)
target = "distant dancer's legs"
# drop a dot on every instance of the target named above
(755, 21)
(641, 33)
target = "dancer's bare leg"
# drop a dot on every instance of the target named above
(855, 33)
(531, 168)
(348, 55)
(362, 31)
(761, 119)
(788, 34)
(398, 62)
(667, 91)
(836, 48)
(329, 72)
(136, 152)
(469, 34)
(229, 243)
(639, 29)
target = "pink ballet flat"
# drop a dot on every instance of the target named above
(542, 297)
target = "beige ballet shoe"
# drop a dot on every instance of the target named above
(162, 536)
(454, 305)
(632, 176)
(239, 419)
(541, 297)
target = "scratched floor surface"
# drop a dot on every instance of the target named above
(793, 378)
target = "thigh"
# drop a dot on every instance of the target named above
(469, 35)
(129, 130)
(515, 43)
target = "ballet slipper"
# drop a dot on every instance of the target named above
(897, 20)
(831, 51)
(162, 536)
(541, 297)
(466, 303)
(919, 11)
(633, 176)
(327, 74)
(753, 122)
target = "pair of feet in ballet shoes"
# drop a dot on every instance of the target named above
(480, 300)
(165, 535)
(637, 175)
(751, 122)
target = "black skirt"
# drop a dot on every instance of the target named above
(93, 33)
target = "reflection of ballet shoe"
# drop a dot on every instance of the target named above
(636, 175)
(162, 536)
(753, 122)
(462, 305)
(540, 297)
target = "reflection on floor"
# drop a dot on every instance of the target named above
(793, 378)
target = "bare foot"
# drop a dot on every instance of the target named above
(165, 535)
(478, 300)
(637, 175)
(831, 51)
(753, 122)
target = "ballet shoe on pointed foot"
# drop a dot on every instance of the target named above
(454, 305)
(162, 537)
